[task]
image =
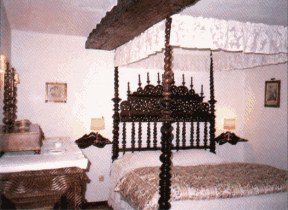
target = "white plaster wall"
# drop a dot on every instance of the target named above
(5, 32)
(230, 95)
(266, 127)
(41, 58)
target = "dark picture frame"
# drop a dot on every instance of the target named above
(56, 92)
(272, 93)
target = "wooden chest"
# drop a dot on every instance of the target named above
(22, 141)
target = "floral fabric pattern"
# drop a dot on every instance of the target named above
(228, 180)
(267, 43)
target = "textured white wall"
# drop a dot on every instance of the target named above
(41, 58)
(266, 127)
(5, 32)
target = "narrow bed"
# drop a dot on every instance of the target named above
(180, 171)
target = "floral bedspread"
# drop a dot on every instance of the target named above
(228, 180)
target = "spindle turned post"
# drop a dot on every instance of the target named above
(177, 135)
(155, 135)
(133, 141)
(184, 134)
(116, 116)
(148, 135)
(212, 102)
(192, 134)
(166, 129)
(139, 135)
(205, 134)
(124, 137)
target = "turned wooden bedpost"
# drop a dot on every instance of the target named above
(116, 116)
(166, 129)
(212, 102)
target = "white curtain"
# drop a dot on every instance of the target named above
(236, 45)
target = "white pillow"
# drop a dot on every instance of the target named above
(195, 157)
(140, 159)
(131, 161)
(180, 158)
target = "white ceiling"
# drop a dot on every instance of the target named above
(79, 17)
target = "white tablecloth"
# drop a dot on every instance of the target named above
(58, 152)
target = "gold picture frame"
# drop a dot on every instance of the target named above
(272, 93)
(56, 92)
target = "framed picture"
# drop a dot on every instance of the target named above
(272, 93)
(56, 92)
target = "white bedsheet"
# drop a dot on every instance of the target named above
(276, 201)
(56, 153)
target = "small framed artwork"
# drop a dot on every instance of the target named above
(272, 93)
(56, 92)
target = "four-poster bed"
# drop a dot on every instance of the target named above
(171, 106)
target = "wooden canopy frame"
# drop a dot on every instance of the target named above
(129, 18)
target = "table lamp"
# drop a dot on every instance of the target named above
(229, 136)
(229, 126)
(94, 138)
(97, 124)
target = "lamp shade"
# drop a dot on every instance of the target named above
(229, 124)
(97, 124)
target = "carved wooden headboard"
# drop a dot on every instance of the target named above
(144, 105)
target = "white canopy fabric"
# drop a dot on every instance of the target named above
(235, 45)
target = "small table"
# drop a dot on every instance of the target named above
(38, 181)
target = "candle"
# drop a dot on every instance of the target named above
(16, 78)
(3, 63)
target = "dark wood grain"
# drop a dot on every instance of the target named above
(129, 18)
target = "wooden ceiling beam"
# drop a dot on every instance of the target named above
(129, 18)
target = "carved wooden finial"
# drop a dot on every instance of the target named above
(148, 79)
(191, 84)
(202, 93)
(128, 91)
(139, 80)
(183, 80)
(158, 81)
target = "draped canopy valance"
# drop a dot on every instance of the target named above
(236, 45)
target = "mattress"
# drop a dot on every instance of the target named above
(130, 162)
